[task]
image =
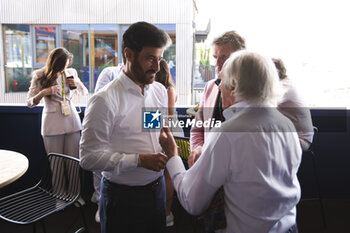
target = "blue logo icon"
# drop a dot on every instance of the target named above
(151, 120)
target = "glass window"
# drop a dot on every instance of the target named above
(45, 41)
(203, 70)
(94, 47)
(18, 59)
(75, 38)
(170, 54)
(104, 49)
(313, 44)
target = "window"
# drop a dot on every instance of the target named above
(104, 49)
(203, 70)
(18, 57)
(94, 47)
(75, 38)
(170, 54)
(311, 37)
(45, 41)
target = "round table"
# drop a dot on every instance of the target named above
(12, 166)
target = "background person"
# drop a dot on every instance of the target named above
(107, 75)
(255, 154)
(113, 141)
(294, 107)
(210, 104)
(164, 77)
(60, 130)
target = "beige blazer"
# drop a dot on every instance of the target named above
(53, 121)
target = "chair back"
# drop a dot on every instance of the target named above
(184, 144)
(62, 178)
(58, 188)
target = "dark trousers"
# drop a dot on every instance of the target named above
(132, 209)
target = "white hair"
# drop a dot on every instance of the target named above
(253, 77)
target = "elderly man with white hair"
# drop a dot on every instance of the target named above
(255, 154)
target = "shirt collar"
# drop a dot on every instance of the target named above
(235, 108)
(129, 84)
(217, 81)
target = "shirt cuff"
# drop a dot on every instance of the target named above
(30, 102)
(127, 162)
(175, 166)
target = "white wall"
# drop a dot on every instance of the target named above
(179, 12)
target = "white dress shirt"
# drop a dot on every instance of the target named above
(255, 155)
(294, 107)
(113, 135)
(107, 75)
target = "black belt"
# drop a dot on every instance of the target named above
(150, 186)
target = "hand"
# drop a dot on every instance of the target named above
(70, 82)
(167, 141)
(194, 156)
(51, 90)
(155, 162)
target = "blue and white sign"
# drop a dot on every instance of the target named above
(152, 119)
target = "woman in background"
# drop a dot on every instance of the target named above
(294, 107)
(55, 83)
(164, 77)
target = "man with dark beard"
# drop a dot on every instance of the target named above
(114, 142)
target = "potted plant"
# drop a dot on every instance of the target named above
(204, 64)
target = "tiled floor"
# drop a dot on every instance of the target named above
(67, 221)
(309, 219)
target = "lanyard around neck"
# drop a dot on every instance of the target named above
(63, 89)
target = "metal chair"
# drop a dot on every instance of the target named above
(81, 230)
(310, 152)
(184, 144)
(57, 189)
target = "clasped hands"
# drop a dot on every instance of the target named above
(157, 161)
